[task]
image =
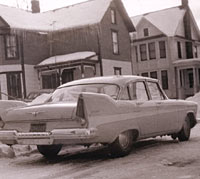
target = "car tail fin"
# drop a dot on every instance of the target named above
(80, 111)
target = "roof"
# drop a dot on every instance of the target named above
(187, 62)
(78, 15)
(120, 80)
(166, 20)
(60, 59)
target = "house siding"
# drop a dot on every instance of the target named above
(109, 65)
(3, 85)
(35, 48)
(75, 40)
(32, 83)
(123, 37)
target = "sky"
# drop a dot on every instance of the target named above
(133, 7)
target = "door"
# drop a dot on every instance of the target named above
(167, 117)
(14, 85)
(146, 110)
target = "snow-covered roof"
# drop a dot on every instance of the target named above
(187, 62)
(166, 20)
(86, 13)
(59, 59)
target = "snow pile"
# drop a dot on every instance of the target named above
(196, 98)
(6, 151)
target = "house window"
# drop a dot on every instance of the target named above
(50, 81)
(179, 49)
(117, 71)
(145, 74)
(164, 78)
(67, 75)
(146, 32)
(115, 42)
(153, 74)
(14, 85)
(11, 46)
(189, 50)
(152, 50)
(162, 48)
(136, 53)
(113, 16)
(190, 78)
(143, 52)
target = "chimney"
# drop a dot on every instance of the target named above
(184, 3)
(35, 6)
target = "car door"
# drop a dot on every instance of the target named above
(167, 117)
(146, 110)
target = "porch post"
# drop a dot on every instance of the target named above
(195, 80)
(178, 84)
(82, 71)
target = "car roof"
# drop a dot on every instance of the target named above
(120, 80)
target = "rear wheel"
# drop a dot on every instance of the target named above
(122, 145)
(184, 134)
(49, 151)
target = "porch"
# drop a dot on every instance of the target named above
(187, 77)
(61, 69)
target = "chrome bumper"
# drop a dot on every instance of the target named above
(62, 136)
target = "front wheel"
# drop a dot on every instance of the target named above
(49, 151)
(122, 145)
(184, 134)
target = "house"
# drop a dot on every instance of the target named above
(167, 47)
(44, 50)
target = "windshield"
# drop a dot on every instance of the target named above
(71, 93)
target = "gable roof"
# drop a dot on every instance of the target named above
(74, 16)
(166, 20)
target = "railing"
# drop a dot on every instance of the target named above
(10, 97)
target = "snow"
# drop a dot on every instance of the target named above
(68, 57)
(157, 18)
(196, 98)
(78, 15)
(187, 62)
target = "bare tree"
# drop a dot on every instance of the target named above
(24, 4)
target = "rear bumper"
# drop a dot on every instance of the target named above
(57, 136)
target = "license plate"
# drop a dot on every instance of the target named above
(38, 128)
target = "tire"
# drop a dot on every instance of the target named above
(49, 151)
(122, 146)
(184, 134)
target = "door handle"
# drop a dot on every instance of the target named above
(159, 103)
(139, 103)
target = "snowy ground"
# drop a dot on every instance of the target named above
(160, 158)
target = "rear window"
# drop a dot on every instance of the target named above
(71, 93)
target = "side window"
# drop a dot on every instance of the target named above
(155, 91)
(125, 94)
(137, 91)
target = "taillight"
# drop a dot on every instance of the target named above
(80, 111)
(1, 123)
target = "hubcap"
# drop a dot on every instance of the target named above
(124, 139)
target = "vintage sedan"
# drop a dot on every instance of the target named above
(115, 111)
